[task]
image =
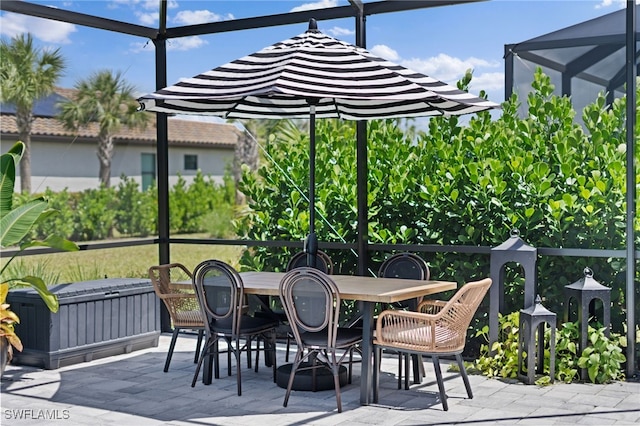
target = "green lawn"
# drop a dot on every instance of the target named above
(125, 262)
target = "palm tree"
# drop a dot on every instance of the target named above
(27, 73)
(107, 99)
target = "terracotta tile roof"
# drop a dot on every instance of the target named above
(180, 131)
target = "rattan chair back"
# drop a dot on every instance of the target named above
(180, 300)
(170, 283)
(437, 327)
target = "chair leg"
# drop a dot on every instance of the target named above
(421, 369)
(335, 369)
(197, 372)
(463, 373)
(216, 360)
(206, 351)
(229, 346)
(292, 375)
(198, 344)
(172, 345)
(443, 395)
(286, 355)
(237, 353)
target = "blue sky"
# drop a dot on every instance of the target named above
(441, 42)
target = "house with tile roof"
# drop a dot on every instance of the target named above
(62, 158)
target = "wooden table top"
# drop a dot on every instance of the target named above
(353, 287)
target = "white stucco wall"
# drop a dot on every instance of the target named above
(75, 166)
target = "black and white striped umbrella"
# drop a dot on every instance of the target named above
(308, 76)
(344, 81)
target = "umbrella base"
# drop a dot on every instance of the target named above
(303, 379)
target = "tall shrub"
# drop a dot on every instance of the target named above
(558, 183)
(136, 210)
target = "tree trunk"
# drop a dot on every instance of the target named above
(23, 122)
(105, 153)
(246, 152)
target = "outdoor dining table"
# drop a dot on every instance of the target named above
(369, 291)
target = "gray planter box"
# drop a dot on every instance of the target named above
(96, 319)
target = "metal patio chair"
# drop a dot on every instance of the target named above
(324, 264)
(221, 295)
(312, 304)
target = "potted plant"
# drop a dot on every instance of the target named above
(15, 225)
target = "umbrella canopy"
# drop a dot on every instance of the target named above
(308, 76)
(345, 81)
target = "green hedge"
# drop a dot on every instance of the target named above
(125, 211)
(559, 183)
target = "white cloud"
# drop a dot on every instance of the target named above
(148, 18)
(340, 32)
(175, 44)
(12, 24)
(147, 11)
(139, 46)
(322, 4)
(445, 67)
(450, 70)
(145, 4)
(490, 82)
(193, 17)
(186, 43)
(151, 4)
(385, 52)
(608, 3)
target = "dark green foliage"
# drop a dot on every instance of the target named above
(95, 214)
(61, 223)
(189, 204)
(136, 211)
(218, 222)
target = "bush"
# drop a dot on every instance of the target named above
(602, 358)
(95, 214)
(136, 211)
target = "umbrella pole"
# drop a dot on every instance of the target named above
(311, 242)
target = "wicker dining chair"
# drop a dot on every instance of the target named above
(180, 300)
(221, 295)
(439, 328)
(312, 304)
(406, 266)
